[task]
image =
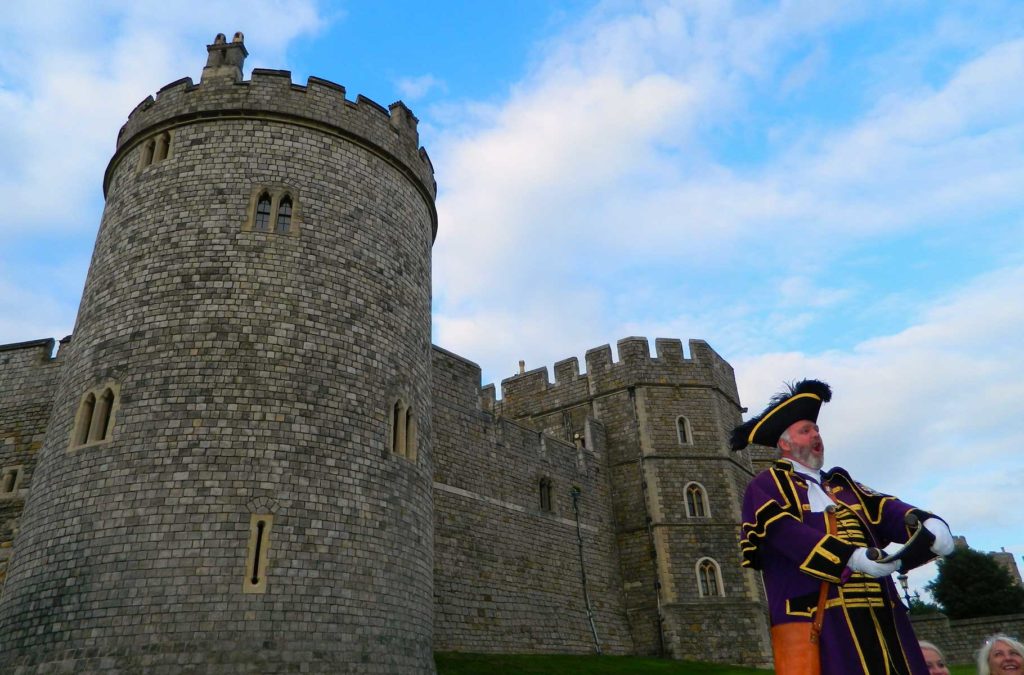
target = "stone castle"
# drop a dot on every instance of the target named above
(250, 457)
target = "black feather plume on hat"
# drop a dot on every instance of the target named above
(802, 401)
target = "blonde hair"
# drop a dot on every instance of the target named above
(986, 649)
(924, 644)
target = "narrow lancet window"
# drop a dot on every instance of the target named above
(147, 153)
(683, 430)
(94, 420)
(403, 430)
(696, 501)
(83, 421)
(709, 578)
(258, 553)
(284, 215)
(401, 411)
(101, 423)
(273, 209)
(545, 495)
(263, 212)
(163, 142)
(410, 435)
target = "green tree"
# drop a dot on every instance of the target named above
(971, 584)
(921, 607)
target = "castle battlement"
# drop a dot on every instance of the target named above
(669, 365)
(271, 95)
(20, 358)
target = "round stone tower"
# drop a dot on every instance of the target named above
(237, 472)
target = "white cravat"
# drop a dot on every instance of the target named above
(816, 497)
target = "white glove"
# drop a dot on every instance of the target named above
(943, 537)
(859, 562)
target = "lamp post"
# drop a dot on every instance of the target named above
(909, 599)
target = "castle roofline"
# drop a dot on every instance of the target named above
(270, 95)
(636, 366)
(29, 344)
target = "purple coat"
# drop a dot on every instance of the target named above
(865, 622)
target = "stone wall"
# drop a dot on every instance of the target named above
(28, 377)
(640, 400)
(257, 369)
(507, 571)
(960, 639)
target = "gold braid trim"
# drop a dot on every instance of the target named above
(827, 559)
(770, 512)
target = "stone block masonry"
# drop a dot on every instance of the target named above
(507, 571)
(257, 372)
(960, 639)
(29, 374)
(667, 419)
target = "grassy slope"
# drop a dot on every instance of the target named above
(516, 664)
(559, 664)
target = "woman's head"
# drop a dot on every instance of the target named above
(1000, 655)
(934, 659)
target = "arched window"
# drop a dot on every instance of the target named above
(147, 153)
(83, 420)
(94, 421)
(683, 431)
(101, 420)
(696, 501)
(410, 435)
(403, 430)
(163, 144)
(284, 215)
(273, 209)
(709, 579)
(545, 495)
(263, 212)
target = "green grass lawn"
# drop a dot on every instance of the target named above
(449, 663)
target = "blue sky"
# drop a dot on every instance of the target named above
(818, 189)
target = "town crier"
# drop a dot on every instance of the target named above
(816, 536)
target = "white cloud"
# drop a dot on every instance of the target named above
(928, 413)
(597, 168)
(32, 310)
(72, 70)
(69, 74)
(414, 88)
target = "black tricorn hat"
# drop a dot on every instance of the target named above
(801, 402)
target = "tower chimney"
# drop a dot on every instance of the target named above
(224, 60)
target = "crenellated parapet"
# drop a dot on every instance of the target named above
(532, 391)
(29, 372)
(21, 362)
(388, 132)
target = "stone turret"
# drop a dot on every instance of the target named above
(236, 475)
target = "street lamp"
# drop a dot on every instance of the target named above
(902, 578)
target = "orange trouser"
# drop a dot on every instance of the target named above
(795, 654)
